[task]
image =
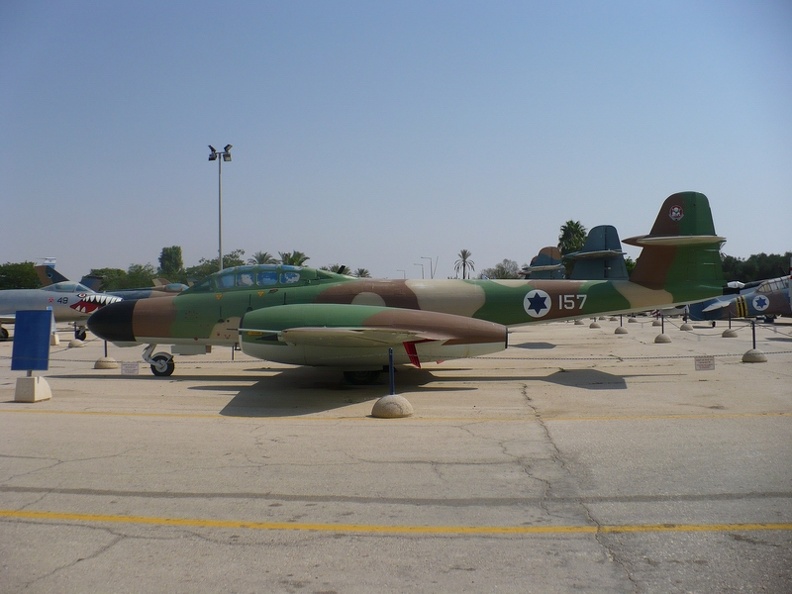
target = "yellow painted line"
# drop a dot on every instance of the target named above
(529, 416)
(385, 529)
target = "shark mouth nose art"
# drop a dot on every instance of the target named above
(90, 302)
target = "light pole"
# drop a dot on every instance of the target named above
(226, 156)
(404, 273)
(422, 268)
(431, 267)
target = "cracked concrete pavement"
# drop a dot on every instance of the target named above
(576, 460)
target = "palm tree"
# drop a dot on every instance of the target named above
(294, 258)
(262, 258)
(572, 237)
(362, 273)
(338, 269)
(464, 263)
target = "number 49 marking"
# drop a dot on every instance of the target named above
(571, 301)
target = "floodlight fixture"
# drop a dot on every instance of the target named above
(226, 154)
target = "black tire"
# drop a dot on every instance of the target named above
(164, 365)
(80, 333)
(3, 334)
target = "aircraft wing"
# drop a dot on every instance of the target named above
(720, 304)
(8, 318)
(356, 337)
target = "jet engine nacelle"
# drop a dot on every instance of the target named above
(359, 336)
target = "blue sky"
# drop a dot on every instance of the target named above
(373, 134)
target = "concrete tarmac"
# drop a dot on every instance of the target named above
(577, 460)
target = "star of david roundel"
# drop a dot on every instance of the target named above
(536, 303)
(760, 303)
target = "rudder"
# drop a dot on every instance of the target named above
(682, 248)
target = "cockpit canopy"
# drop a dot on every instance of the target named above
(262, 276)
(773, 285)
(67, 287)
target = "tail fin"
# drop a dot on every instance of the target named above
(92, 281)
(546, 264)
(682, 249)
(601, 257)
(47, 275)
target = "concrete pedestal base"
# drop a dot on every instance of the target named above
(106, 363)
(54, 339)
(32, 389)
(392, 407)
(662, 338)
(754, 356)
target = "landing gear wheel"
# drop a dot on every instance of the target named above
(163, 365)
(361, 378)
(3, 334)
(80, 333)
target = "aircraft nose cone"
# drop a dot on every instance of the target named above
(114, 322)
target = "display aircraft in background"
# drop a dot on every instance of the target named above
(48, 275)
(769, 298)
(69, 301)
(305, 316)
(601, 258)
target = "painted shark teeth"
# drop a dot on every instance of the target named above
(90, 302)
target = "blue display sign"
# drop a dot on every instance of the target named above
(31, 340)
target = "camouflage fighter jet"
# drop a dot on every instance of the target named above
(305, 316)
(70, 302)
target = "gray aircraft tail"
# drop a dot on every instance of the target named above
(47, 275)
(601, 257)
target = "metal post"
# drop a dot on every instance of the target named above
(391, 375)
(753, 333)
(220, 212)
(220, 156)
(662, 324)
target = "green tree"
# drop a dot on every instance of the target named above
(206, 267)
(294, 258)
(262, 258)
(110, 279)
(464, 263)
(171, 265)
(362, 273)
(140, 275)
(506, 269)
(21, 275)
(756, 267)
(338, 268)
(572, 237)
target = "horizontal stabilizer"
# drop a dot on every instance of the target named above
(546, 264)
(674, 240)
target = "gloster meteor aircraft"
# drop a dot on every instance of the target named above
(305, 316)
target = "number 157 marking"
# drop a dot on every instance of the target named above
(571, 301)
